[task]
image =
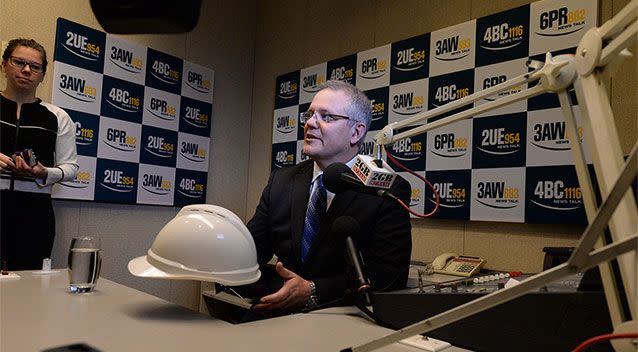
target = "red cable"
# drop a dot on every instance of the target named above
(406, 207)
(601, 338)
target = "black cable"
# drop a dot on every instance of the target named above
(362, 307)
(374, 316)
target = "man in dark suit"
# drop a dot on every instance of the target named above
(313, 267)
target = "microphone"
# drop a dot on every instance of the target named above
(346, 226)
(373, 172)
(338, 177)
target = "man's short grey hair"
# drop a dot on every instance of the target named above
(360, 107)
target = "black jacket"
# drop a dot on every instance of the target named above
(384, 241)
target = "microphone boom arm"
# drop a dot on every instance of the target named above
(553, 75)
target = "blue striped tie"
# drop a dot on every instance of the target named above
(316, 209)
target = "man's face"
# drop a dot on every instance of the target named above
(336, 141)
(23, 79)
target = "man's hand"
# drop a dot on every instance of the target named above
(37, 171)
(293, 294)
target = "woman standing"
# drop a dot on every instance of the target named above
(37, 149)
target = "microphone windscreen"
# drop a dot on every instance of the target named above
(332, 177)
(346, 226)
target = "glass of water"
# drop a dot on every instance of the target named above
(85, 261)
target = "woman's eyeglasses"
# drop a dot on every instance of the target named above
(20, 63)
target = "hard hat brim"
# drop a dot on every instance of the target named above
(142, 268)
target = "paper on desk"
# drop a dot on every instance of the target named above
(511, 283)
(426, 343)
(9, 277)
(45, 272)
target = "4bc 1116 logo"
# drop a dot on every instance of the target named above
(501, 37)
(83, 135)
(407, 148)
(553, 195)
(446, 94)
(164, 72)
(189, 187)
(284, 158)
(123, 100)
(556, 195)
(341, 73)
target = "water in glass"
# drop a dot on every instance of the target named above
(85, 261)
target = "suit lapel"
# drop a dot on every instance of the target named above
(300, 194)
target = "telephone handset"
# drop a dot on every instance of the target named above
(459, 265)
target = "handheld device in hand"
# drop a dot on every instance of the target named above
(28, 156)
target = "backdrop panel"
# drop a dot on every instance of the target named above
(513, 164)
(143, 119)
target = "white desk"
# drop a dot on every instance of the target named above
(37, 312)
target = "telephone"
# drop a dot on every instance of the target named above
(459, 265)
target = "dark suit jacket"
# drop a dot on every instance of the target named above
(384, 240)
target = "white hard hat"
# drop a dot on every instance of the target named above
(203, 242)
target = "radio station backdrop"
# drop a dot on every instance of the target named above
(513, 164)
(142, 117)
